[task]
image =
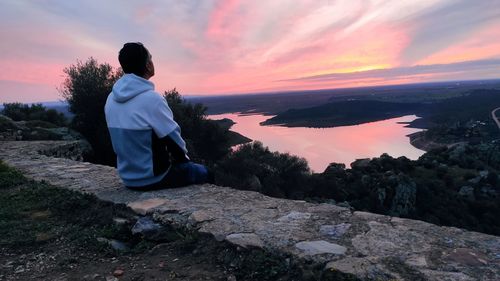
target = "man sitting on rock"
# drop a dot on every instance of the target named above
(151, 153)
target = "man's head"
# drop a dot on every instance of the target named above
(135, 58)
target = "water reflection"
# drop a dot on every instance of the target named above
(321, 146)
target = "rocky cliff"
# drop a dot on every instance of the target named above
(364, 245)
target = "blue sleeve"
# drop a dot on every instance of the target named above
(161, 119)
(175, 135)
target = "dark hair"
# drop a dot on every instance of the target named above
(133, 58)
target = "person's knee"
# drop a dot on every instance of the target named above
(198, 173)
(192, 173)
(206, 174)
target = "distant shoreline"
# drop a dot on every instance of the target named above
(419, 141)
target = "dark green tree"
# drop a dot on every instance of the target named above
(86, 88)
(206, 140)
(254, 167)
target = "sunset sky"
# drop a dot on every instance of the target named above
(230, 46)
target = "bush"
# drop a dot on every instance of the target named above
(39, 124)
(35, 112)
(86, 88)
(206, 140)
(6, 124)
(253, 167)
(9, 177)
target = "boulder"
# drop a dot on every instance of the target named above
(405, 197)
(467, 192)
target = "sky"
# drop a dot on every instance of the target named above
(230, 47)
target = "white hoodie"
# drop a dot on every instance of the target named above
(137, 118)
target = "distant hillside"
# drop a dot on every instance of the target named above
(62, 107)
(474, 105)
(343, 113)
(235, 138)
(278, 102)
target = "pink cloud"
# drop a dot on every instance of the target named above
(31, 72)
(485, 44)
(223, 20)
(376, 47)
(234, 46)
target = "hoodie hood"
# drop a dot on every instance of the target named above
(129, 86)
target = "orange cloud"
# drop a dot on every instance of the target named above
(366, 49)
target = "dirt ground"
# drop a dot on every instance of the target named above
(62, 260)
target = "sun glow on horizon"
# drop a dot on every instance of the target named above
(357, 69)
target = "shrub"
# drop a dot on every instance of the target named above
(86, 88)
(254, 167)
(207, 141)
(35, 112)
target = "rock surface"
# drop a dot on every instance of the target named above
(370, 246)
(312, 248)
(245, 240)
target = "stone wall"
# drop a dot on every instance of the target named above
(370, 246)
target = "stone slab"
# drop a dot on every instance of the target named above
(245, 240)
(146, 206)
(312, 248)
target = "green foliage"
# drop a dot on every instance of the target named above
(9, 177)
(6, 124)
(39, 124)
(23, 112)
(86, 88)
(252, 166)
(36, 212)
(41, 134)
(438, 177)
(207, 141)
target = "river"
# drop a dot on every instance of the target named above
(321, 146)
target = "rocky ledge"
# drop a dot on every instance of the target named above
(369, 246)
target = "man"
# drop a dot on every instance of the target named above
(151, 153)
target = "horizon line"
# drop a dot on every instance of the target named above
(293, 91)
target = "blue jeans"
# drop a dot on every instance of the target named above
(179, 175)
